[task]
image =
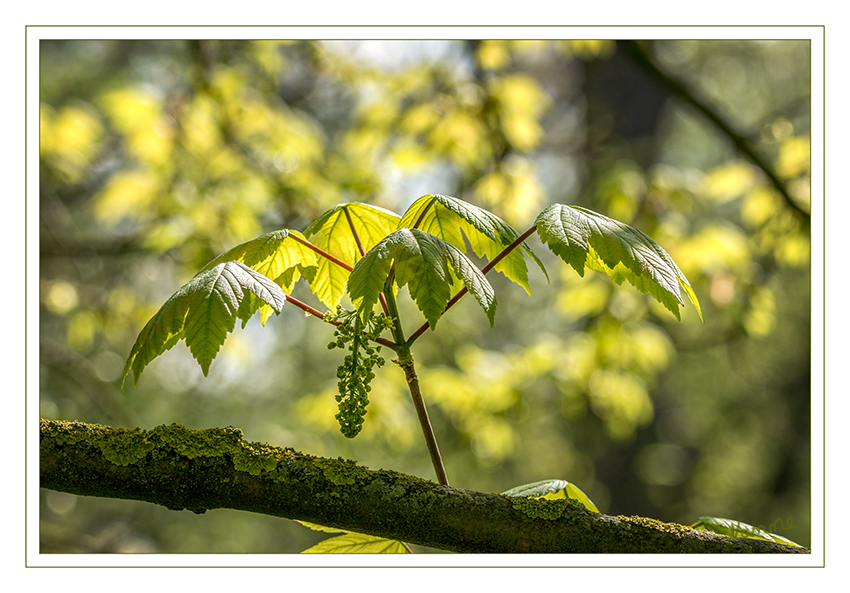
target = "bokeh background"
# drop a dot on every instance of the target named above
(158, 155)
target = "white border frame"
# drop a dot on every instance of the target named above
(36, 33)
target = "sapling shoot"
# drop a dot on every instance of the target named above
(369, 253)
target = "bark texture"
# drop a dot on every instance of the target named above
(214, 468)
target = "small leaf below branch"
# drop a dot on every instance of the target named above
(358, 543)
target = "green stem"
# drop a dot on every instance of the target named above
(405, 361)
(392, 312)
(502, 254)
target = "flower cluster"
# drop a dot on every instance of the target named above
(355, 373)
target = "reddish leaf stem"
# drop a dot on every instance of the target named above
(353, 232)
(307, 308)
(423, 213)
(362, 253)
(316, 313)
(322, 252)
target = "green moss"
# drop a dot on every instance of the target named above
(540, 508)
(400, 476)
(120, 446)
(210, 442)
(656, 525)
(255, 458)
(342, 472)
(71, 433)
(124, 447)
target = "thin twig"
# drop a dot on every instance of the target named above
(405, 361)
(316, 313)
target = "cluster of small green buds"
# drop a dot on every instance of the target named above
(355, 373)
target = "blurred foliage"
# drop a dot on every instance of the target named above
(158, 155)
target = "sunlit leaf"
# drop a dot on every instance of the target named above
(584, 238)
(553, 489)
(202, 313)
(461, 136)
(332, 232)
(588, 49)
(358, 543)
(730, 180)
(276, 255)
(322, 528)
(738, 529)
(492, 54)
(450, 219)
(429, 266)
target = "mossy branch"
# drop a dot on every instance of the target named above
(215, 468)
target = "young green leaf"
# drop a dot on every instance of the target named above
(338, 232)
(323, 528)
(429, 266)
(584, 238)
(738, 529)
(276, 255)
(353, 543)
(552, 490)
(450, 219)
(202, 312)
(358, 543)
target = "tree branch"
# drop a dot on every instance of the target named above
(214, 468)
(677, 88)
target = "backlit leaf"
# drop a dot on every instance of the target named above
(450, 219)
(202, 312)
(584, 238)
(333, 233)
(358, 543)
(323, 528)
(553, 489)
(738, 529)
(430, 267)
(276, 255)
